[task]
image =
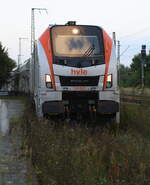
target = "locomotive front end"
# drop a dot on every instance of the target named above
(81, 75)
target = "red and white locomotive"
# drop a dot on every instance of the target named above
(74, 70)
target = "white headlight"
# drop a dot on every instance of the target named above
(75, 31)
(109, 78)
(109, 81)
(48, 78)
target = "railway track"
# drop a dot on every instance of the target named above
(136, 99)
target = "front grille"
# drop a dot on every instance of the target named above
(79, 81)
(80, 95)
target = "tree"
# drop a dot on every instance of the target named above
(6, 66)
(147, 71)
(124, 75)
(136, 68)
(131, 76)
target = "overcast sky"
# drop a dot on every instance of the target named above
(130, 19)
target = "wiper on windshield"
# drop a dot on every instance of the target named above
(89, 51)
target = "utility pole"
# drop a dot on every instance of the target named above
(142, 74)
(114, 38)
(33, 26)
(33, 67)
(118, 61)
(117, 45)
(118, 52)
(143, 55)
(19, 56)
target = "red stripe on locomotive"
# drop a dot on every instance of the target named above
(107, 48)
(45, 41)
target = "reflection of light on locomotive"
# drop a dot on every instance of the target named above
(73, 70)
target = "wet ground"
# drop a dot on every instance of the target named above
(13, 167)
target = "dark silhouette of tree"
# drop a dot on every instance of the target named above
(6, 65)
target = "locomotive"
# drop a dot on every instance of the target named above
(73, 71)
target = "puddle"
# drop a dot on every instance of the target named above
(4, 120)
(13, 167)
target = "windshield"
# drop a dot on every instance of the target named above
(77, 41)
(70, 45)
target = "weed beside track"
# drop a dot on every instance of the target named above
(77, 155)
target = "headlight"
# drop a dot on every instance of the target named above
(109, 81)
(48, 81)
(75, 31)
(48, 78)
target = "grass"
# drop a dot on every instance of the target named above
(76, 155)
(136, 119)
(135, 91)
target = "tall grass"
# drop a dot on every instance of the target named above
(136, 119)
(135, 91)
(76, 155)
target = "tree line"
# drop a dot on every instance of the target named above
(6, 66)
(131, 76)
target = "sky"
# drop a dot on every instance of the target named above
(128, 18)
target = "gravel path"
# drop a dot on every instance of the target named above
(13, 167)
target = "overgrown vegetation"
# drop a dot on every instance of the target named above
(131, 76)
(6, 65)
(76, 155)
(145, 92)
